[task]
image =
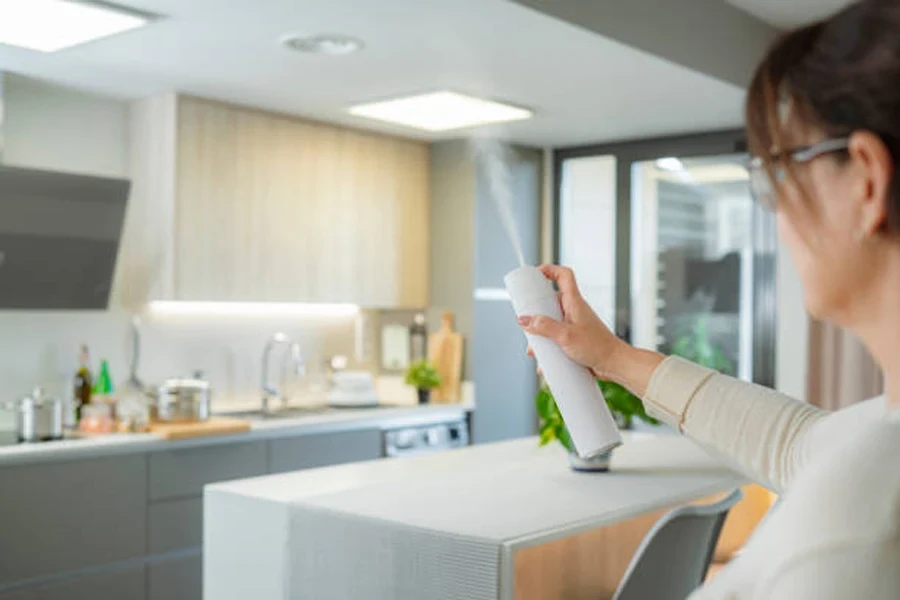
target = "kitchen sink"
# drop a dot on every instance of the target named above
(283, 413)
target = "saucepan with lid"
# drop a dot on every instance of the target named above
(182, 399)
(39, 417)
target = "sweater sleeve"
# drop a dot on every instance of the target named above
(762, 433)
(858, 570)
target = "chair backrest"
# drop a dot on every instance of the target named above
(673, 559)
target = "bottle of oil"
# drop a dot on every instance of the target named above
(84, 382)
(418, 339)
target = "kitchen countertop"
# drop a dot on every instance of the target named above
(457, 516)
(338, 419)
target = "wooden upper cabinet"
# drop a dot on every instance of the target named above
(266, 207)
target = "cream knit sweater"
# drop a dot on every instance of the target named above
(836, 532)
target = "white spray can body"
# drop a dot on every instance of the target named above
(590, 423)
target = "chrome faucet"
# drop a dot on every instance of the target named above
(269, 390)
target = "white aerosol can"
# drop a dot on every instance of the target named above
(574, 388)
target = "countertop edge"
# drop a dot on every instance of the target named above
(120, 444)
(727, 481)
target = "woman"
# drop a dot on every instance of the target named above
(823, 118)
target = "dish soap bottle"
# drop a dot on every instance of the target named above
(83, 383)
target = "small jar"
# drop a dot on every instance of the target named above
(97, 417)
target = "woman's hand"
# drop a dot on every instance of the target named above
(586, 340)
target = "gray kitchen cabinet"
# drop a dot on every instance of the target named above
(175, 525)
(121, 584)
(324, 449)
(183, 473)
(71, 515)
(131, 526)
(179, 579)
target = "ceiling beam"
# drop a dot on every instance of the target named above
(708, 36)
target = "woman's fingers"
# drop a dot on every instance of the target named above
(543, 326)
(530, 352)
(563, 276)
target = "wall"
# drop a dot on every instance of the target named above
(588, 220)
(504, 376)
(792, 351)
(41, 348)
(57, 128)
(470, 254)
(452, 242)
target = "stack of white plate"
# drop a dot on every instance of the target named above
(352, 389)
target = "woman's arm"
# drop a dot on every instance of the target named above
(763, 433)
(767, 435)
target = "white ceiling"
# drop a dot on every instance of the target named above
(789, 13)
(584, 88)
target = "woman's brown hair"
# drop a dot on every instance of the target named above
(838, 75)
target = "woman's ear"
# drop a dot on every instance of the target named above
(874, 165)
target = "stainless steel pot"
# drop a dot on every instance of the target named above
(186, 399)
(39, 417)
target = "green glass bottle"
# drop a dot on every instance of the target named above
(103, 387)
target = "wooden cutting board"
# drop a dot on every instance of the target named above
(212, 426)
(445, 350)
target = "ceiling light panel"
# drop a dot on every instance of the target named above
(51, 25)
(441, 111)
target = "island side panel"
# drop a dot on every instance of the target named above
(245, 547)
(342, 556)
(586, 566)
(582, 565)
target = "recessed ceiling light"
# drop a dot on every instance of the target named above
(51, 25)
(441, 111)
(670, 163)
(334, 45)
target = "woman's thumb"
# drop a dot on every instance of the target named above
(542, 326)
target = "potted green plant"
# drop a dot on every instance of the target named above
(623, 405)
(697, 347)
(424, 377)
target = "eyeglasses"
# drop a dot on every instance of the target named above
(764, 190)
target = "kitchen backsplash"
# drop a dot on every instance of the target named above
(42, 348)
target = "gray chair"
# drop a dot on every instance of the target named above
(674, 556)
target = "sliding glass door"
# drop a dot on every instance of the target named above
(693, 260)
(671, 250)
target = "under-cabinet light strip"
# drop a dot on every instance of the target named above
(254, 308)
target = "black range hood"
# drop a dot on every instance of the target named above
(59, 238)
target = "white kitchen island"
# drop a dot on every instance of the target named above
(484, 522)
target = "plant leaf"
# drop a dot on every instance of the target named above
(623, 403)
(544, 403)
(548, 434)
(422, 374)
(565, 439)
